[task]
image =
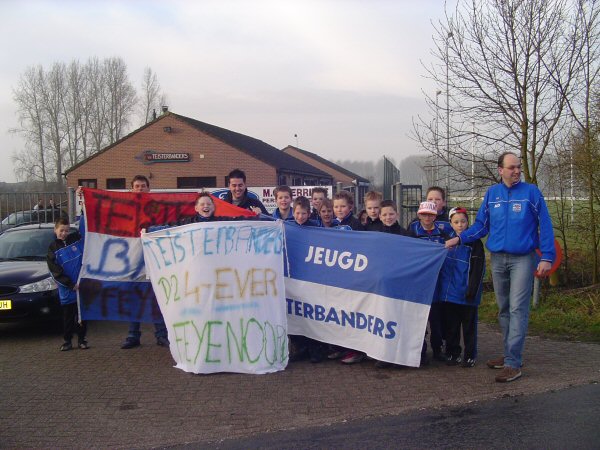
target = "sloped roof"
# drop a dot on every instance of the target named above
(254, 147)
(329, 164)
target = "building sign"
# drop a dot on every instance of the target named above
(151, 157)
(266, 195)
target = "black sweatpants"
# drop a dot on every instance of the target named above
(457, 316)
(71, 323)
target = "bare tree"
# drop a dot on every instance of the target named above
(66, 113)
(120, 98)
(27, 96)
(584, 109)
(497, 66)
(151, 96)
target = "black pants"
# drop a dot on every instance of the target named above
(436, 327)
(71, 324)
(455, 317)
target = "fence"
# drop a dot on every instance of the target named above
(407, 198)
(19, 208)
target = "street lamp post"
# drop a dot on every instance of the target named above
(473, 174)
(448, 116)
(437, 138)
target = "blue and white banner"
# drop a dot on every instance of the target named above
(220, 289)
(363, 290)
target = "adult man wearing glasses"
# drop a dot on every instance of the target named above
(516, 217)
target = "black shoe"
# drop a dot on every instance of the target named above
(469, 362)
(130, 343)
(299, 354)
(83, 345)
(66, 347)
(453, 360)
(316, 354)
(162, 341)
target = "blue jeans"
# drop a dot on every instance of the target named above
(513, 281)
(160, 330)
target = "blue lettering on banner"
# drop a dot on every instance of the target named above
(340, 317)
(115, 254)
(208, 241)
(118, 300)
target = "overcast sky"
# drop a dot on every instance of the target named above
(344, 76)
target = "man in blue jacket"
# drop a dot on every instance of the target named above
(516, 217)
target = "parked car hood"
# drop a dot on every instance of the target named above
(17, 273)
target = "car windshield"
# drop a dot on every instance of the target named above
(26, 244)
(17, 218)
(39, 216)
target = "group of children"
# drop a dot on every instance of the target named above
(457, 295)
(459, 287)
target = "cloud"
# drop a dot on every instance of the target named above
(344, 75)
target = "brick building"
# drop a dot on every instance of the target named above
(174, 151)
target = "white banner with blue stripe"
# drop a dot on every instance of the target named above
(362, 290)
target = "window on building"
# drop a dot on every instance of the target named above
(196, 182)
(116, 183)
(281, 180)
(297, 181)
(310, 182)
(88, 183)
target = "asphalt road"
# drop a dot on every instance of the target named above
(566, 419)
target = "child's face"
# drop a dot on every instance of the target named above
(372, 207)
(427, 220)
(205, 207)
(341, 208)
(283, 200)
(388, 216)
(326, 214)
(436, 197)
(317, 200)
(61, 231)
(300, 215)
(459, 223)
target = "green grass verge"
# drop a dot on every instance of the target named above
(562, 314)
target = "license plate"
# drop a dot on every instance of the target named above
(5, 304)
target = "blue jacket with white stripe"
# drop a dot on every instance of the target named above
(516, 219)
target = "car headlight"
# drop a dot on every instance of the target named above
(47, 284)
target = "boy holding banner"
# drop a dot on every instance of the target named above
(64, 263)
(429, 229)
(302, 345)
(141, 184)
(461, 280)
(343, 204)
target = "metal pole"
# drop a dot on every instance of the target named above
(572, 189)
(536, 292)
(448, 116)
(434, 180)
(473, 175)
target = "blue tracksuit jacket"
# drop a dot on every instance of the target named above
(516, 219)
(461, 277)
